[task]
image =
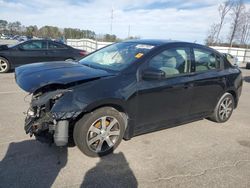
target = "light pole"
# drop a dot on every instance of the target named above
(111, 23)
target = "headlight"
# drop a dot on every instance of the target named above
(43, 99)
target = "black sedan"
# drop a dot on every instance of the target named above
(36, 51)
(127, 89)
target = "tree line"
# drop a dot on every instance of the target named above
(52, 32)
(237, 15)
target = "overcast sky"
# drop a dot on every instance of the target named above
(186, 20)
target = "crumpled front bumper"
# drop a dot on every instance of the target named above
(29, 121)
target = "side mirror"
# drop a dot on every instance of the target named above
(152, 74)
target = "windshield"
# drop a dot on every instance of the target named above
(116, 57)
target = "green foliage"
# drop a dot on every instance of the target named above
(71, 33)
(3, 24)
(110, 38)
(49, 32)
(31, 31)
(52, 32)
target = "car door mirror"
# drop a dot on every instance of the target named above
(153, 74)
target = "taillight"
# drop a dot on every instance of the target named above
(83, 53)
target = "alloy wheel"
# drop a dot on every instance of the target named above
(3, 65)
(103, 134)
(226, 108)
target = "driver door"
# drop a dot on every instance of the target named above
(30, 52)
(166, 101)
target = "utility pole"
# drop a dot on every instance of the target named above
(111, 23)
(128, 30)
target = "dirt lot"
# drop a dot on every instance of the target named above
(199, 154)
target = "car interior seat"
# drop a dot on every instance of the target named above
(202, 64)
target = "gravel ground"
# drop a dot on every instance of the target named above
(199, 154)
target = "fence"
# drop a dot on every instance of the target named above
(89, 45)
(86, 44)
(242, 54)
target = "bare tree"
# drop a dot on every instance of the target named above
(211, 37)
(244, 30)
(223, 9)
(3, 25)
(236, 14)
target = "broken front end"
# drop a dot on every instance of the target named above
(47, 124)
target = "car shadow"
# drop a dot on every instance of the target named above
(247, 79)
(111, 171)
(31, 164)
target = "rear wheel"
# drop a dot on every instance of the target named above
(223, 109)
(4, 65)
(99, 132)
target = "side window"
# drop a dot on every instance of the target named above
(34, 45)
(172, 61)
(206, 60)
(53, 45)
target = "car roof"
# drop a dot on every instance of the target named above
(151, 41)
(162, 42)
(158, 42)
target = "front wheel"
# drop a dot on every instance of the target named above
(99, 132)
(223, 109)
(4, 65)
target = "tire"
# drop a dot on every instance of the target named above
(248, 65)
(96, 138)
(223, 109)
(4, 65)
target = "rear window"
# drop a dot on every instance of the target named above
(34, 45)
(206, 60)
(53, 45)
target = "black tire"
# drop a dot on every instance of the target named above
(4, 65)
(248, 65)
(82, 131)
(219, 110)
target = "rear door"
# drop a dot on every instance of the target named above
(58, 52)
(209, 80)
(30, 52)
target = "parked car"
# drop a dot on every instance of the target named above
(127, 89)
(3, 36)
(36, 51)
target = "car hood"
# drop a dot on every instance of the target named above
(34, 76)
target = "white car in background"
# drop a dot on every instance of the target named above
(3, 36)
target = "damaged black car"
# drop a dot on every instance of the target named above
(127, 89)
